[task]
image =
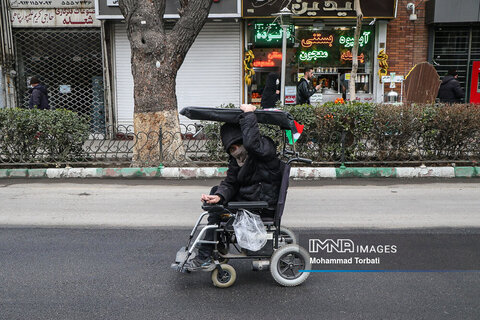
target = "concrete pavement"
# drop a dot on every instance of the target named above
(125, 274)
(335, 204)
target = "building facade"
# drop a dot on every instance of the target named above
(320, 37)
(60, 42)
(211, 74)
(80, 50)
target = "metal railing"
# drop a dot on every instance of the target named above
(201, 146)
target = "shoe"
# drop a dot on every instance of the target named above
(197, 264)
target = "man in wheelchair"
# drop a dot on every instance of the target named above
(254, 174)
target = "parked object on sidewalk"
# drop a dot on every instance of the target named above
(421, 84)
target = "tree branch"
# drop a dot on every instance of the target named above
(193, 16)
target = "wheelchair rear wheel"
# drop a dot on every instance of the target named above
(286, 264)
(226, 278)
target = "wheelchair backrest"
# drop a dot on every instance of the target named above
(282, 196)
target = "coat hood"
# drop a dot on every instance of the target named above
(271, 81)
(230, 134)
(447, 79)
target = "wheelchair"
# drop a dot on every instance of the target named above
(281, 254)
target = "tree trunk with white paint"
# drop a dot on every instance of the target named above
(157, 55)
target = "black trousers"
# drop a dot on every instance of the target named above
(205, 249)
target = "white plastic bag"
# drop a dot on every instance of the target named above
(249, 230)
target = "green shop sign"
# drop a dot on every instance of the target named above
(270, 35)
(312, 55)
(348, 41)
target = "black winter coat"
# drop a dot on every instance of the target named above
(39, 97)
(260, 177)
(450, 90)
(304, 92)
(269, 95)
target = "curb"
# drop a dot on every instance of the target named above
(297, 173)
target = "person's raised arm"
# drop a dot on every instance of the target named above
(253, 141)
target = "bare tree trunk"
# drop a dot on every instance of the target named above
(157, 55)
(358, 30)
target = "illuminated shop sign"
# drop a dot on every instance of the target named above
(347, 56)
(313, 55)
(348, 41)
(268, 63)
(270, 35)
(332, 47)
(317, 39)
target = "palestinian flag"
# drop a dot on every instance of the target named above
(293, 136)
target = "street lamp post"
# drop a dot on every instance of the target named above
(285, 16)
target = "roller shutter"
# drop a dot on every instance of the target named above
(209, 76)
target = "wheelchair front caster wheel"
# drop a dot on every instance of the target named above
(224, 279)
(286, 264)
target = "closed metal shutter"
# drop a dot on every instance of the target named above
(63, 58)
(123, 77)
(209, 76)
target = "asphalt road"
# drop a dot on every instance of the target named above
(362, 203)
(125, 274)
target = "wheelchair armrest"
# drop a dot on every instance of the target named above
(212, 207)
(247, 205)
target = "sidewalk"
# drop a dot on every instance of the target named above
(298, 173)
(147, 203)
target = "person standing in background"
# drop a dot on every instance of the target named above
(304, 88)
(344, 84)
(450, 90)
(38, 95)
(271, 92)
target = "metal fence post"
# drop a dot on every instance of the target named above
(342, 160)
(160, 144)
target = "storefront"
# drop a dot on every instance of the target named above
(455, 41)
(210, 75)
(320, 38)
(60, 43)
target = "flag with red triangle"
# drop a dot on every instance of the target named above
(293, 136)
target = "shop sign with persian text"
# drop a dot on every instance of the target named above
(42, 18)
(19, 4)
(332, 48)
(319, 8)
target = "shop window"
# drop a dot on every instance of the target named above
(327, 50)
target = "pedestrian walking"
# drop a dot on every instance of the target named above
(38, 95)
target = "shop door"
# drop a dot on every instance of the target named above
(209, 76)
(69, 63)
(457, 48)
